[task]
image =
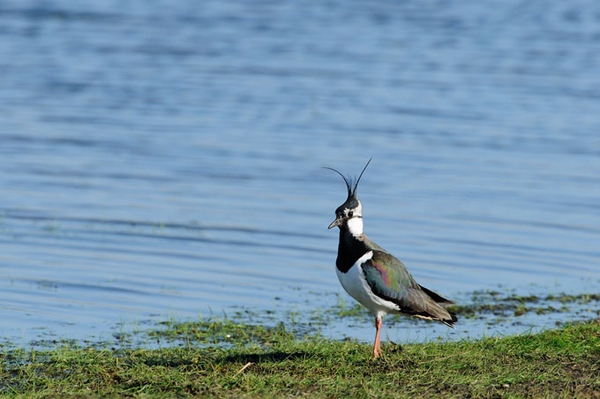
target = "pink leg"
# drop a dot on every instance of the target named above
(377, 344)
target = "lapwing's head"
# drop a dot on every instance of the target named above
(349, 214)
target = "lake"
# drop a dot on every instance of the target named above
(165, 159)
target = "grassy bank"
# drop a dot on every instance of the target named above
(226, 359)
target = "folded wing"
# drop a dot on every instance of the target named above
(390, 280)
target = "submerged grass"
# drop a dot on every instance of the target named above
(230, 359)
(502, 304)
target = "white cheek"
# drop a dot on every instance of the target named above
(355, 226)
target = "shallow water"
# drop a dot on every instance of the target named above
(165, 160)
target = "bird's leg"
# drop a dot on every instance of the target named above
(377, 344)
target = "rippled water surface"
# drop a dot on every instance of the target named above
(164, 159)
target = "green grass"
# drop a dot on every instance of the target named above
(222, 358)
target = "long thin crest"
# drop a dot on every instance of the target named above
(343, 177)
(361, 173)
(348, 180)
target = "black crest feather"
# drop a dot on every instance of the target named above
(348, 180)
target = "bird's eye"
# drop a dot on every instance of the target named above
(350, 214)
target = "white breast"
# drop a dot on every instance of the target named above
(355, 284)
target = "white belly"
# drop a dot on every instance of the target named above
(355, 284)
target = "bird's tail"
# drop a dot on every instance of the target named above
(441, 313)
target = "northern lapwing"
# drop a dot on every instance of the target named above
(374, 277)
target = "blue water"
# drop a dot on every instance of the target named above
(164, 159)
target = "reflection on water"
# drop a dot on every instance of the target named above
(165, 160)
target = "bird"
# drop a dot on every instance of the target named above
(374, 277)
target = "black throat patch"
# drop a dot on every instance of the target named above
(350, 249)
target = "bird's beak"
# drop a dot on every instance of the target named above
(336, 222)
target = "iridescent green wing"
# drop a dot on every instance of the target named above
(389, 278)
